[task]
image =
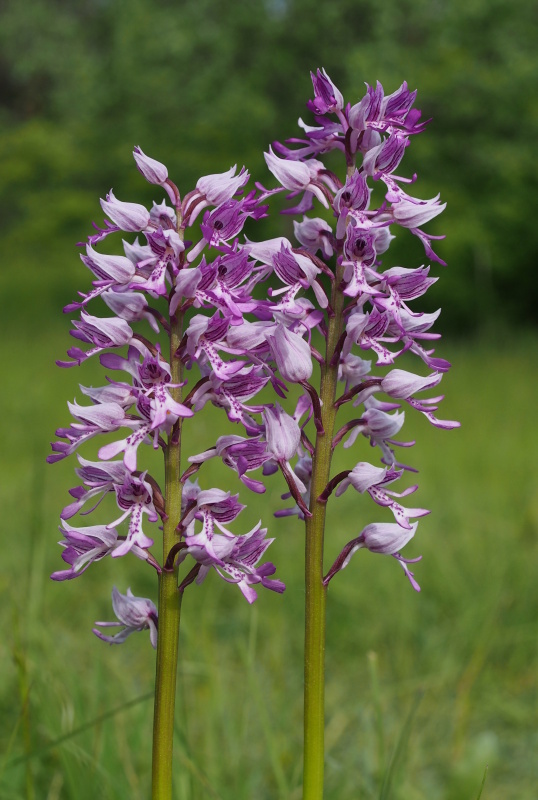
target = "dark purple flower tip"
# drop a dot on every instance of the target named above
(327, 98)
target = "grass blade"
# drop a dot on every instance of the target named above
(482, 784)
(84, 727)
(376, 697)
(185, 758)
(399, 749)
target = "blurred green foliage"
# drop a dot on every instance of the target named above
(202, 84)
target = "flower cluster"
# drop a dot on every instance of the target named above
(192, 280)
(377, 320)
(197, 293)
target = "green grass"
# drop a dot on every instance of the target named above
(423, 691)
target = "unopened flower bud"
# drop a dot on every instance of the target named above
(130, 217)
(386, 537)
(282, 433)
(221, 187)
(152, 170)
(292, 355)
(401, 384)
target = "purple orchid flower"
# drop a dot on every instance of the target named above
(135, 498)
(235, 559)
(384, 538)
(240, 454)
(134, 614)
(328, 98)
(83, 546)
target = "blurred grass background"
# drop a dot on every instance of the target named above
(202, 85)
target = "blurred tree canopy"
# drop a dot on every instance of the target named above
(203, 84)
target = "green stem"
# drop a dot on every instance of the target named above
(169, 602)
(316, 592)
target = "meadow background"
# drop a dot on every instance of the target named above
(423, 690)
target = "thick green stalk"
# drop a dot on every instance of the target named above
(169, 604)
(316, 593)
